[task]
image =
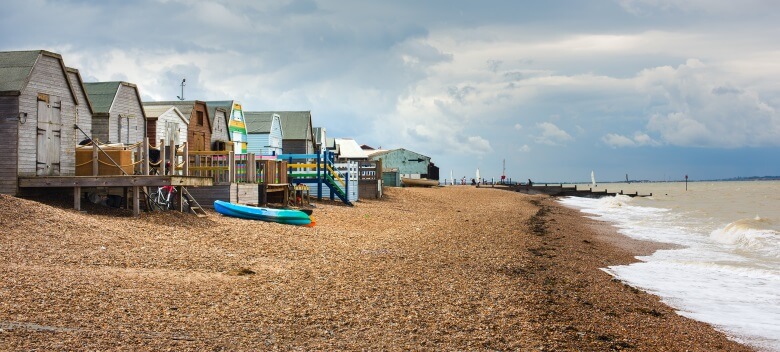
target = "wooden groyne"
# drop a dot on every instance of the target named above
(559, 190)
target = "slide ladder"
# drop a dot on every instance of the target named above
(336, 188)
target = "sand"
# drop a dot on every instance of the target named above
(454, 268)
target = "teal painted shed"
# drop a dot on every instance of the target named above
(407, 163)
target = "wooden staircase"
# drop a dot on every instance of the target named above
(193, 204)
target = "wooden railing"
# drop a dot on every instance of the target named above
(228, 167)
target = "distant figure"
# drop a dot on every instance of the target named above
(463, 180)
(530, 183)
(473, 182)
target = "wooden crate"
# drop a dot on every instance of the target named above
(105, 167)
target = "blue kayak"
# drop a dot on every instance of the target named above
(282, 216)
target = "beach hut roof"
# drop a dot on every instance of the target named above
(226, 105)
(185, 106)
(383, 152)
(16, 68)
(213, 111)
(296, 124)
(155, 111)
(349, 149)
(101, 95)
(258, 122)
(330, 143)
(81, 83)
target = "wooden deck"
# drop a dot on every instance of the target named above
(135, 182)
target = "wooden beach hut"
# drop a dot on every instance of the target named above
(38, 106)
(84, 108)
(118, 113)
(236, 123)
(166, 122)
(264, 133)
(199, 128)
(220, 139)
(320, 137)
(298, 135)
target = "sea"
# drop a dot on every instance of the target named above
(723, 265)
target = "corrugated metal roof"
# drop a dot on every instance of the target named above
(15, 67)
(378, 152)
(101, 95)
(258, 122)
(349, 149)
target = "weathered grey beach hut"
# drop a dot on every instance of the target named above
(166, 122)
(320, 137)
(37, 112)
(298, 132)
(199, 129)
(264, 133)
(236, 124)
(118, 112)
(84, 108)
(220, 134)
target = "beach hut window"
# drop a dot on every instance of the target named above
(200, 118)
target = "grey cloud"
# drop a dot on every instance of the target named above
(725, 90)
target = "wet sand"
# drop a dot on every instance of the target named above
(455, 268)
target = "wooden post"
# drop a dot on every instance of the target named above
(136, 202)
(263, 194)
(162, 157)
(250, 168)
(138, 157)
(186, 171)
(95, 164)
(77, 197)
(198, 165)
(145, 153)
(232, 167)
(172, 157)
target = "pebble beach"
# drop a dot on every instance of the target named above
(444, 268)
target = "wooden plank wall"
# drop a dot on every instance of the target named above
(369, 189)
(9, 109)
(48, 77)
(207, 195)
(219, 128)
(100, 128)
(126, 104)
(194, 130)
(246, 193)
(84, 116)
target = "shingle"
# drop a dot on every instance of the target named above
(101, 95)
(15, 67)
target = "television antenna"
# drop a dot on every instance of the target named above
(183, 83)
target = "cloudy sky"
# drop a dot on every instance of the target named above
(655, 89)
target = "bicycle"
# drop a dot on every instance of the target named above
(163, 197)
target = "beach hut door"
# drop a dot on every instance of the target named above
(48, 136)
